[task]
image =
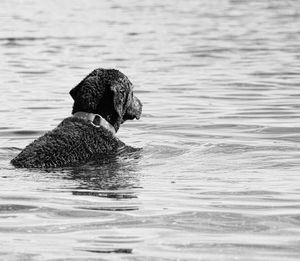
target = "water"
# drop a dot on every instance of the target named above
(218, 175)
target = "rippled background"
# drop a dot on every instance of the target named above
(218, 177)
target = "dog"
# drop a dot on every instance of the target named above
(103, 100)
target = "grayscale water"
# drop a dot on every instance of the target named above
(219, 171)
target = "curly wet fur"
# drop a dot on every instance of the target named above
(75, 141)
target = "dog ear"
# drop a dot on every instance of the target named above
(87, 94)
(119, 98)
(73, 92)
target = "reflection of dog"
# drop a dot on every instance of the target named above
(102, 102)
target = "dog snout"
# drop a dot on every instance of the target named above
(134, 111)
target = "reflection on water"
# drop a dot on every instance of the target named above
(115, 172)
(217, 176)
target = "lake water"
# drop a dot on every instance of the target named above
(219, 173)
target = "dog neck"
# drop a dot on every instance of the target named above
(91, 117)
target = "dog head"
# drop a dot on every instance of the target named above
(109, 93)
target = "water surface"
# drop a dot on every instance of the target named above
(218, 174)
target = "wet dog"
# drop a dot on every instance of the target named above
(103, 100)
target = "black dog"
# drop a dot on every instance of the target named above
(102, 102)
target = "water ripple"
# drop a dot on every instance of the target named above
(217, 176)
